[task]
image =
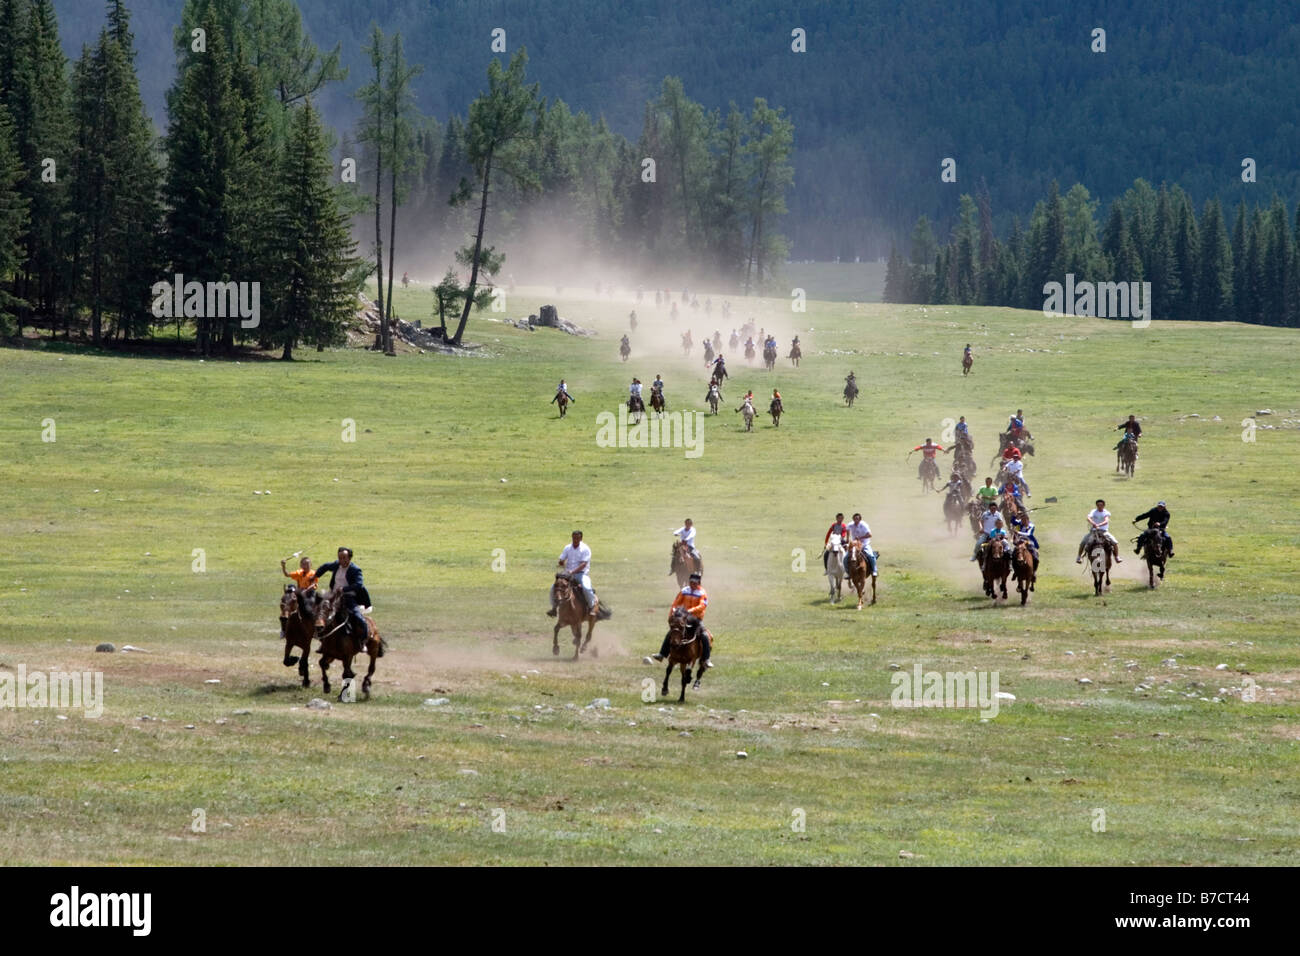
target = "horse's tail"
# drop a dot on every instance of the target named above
(383, 647)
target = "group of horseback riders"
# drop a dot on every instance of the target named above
(859, 532)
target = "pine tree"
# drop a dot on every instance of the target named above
(13, 218)
(1187, 252)
(772, 139)
(895, 290)
(1214, 282)
(321, 274)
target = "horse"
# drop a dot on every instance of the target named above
(570, 612)
(625, 349)
(708, 352)
(1005, 441)
(1011, 509)
(342, 638)
(966, 362)
(860, 572)
(686, 342)
(775, 409)
(1126, 457)
(657, 401)
(769, 357)
(796, 354)
(835, 567)
(298, 626)
(975, 511)
(850, 393)
(713, 398)
(747, 407)
(635, 408)
(1098, 549)
(749, 352)
(684, 563)
(928, 472)
(563, 401)
(1022, 566)
(1152, 543)
(996, 567)
(686, 637)
(954, 507)
(631, 319)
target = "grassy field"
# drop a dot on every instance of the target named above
(456, 457)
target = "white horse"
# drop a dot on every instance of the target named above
(714, 397)
(835, 567)
(747, 407)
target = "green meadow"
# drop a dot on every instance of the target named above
(139, 525)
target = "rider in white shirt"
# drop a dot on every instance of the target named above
(576, 559)
(1099, 518)
(687, 534)
(861, 533)
(635, 389)
(1015, 468)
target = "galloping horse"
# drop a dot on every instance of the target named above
(1005, 441)
(966, 362)
(685, 647)
(1126, 457)
(1098, 549)
(749, 351)
(684, 563)
(769, 357)
(747, 406)
(570, 613)
(996, 567)
(624, 349)
(860, 572)
(775, 409)
(796, 354)
(657, 401)
(635, 408)
(563, 401)
(835, 567)
(954, 507)
(708, 352)
(850, 393)
(975, 513)
(342, 638)
(928, 472)
(1152, 543)
(714, 397)
(1022, 565)
(298, 623)
(687, 342)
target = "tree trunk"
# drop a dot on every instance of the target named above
(478, 245)
(379, 229)
(386, 325)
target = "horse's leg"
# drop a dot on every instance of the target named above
(349, 675)
(873, 589)
(555, 639)
(324, 672)
(576, 628)
(289, 644)
(686, 675)
(302, 665)
(668, 673)
(370, 672)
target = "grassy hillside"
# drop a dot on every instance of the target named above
(155, 458)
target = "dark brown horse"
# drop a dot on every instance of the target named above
(769, 357)
(563, 401)
(996, 566)
(571, 611)
(1152, 543)
(657, 401)
(298, 626)
(1126, 457)
(954, 507)
(966, 362)
(684, 563)
(796, 354)
(1099, 559)
(342, 637)
(860, 572)
(686, 637)
(1022, 566)
(775, 409)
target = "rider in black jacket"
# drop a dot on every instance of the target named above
(1157, 520)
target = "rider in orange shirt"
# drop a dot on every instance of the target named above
(695, 600)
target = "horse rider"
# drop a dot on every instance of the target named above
(1016, 425)
(304, 578)
(1015, 469)
(776, 400)
(1099, 519)
(956, 485)
(1023, 528)
(625, 342)
(720, 368)
(988, 492)
(963, 430)
(634, 392)
(717, 338)
(861, 533)
(837, 527)
(562, 389)
(794, 344)
(991, 522)
(695, 600)
(346, 577)
(734, 341)
(1132, 432)
(851, 380)
(1157, 520)
(576, 561)
(657, 386)
(687, 535)
(928, 452)
(966, 354)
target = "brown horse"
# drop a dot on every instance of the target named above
(635, 408)
(657, 401)
(1126, 457)
(1098, 551)
(860, 572)
(1022, 566)
(563, 401)
(954, 507)
(686, 637)
(298, 626)
(1152, 543)
(342, 638)
(571, 612)
(996, 567)
(769, 358)
(966, 362)
(684, 563)
(796, 354)
(775, 409)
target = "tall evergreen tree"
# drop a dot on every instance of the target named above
(1214, 281)
(772, 139)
